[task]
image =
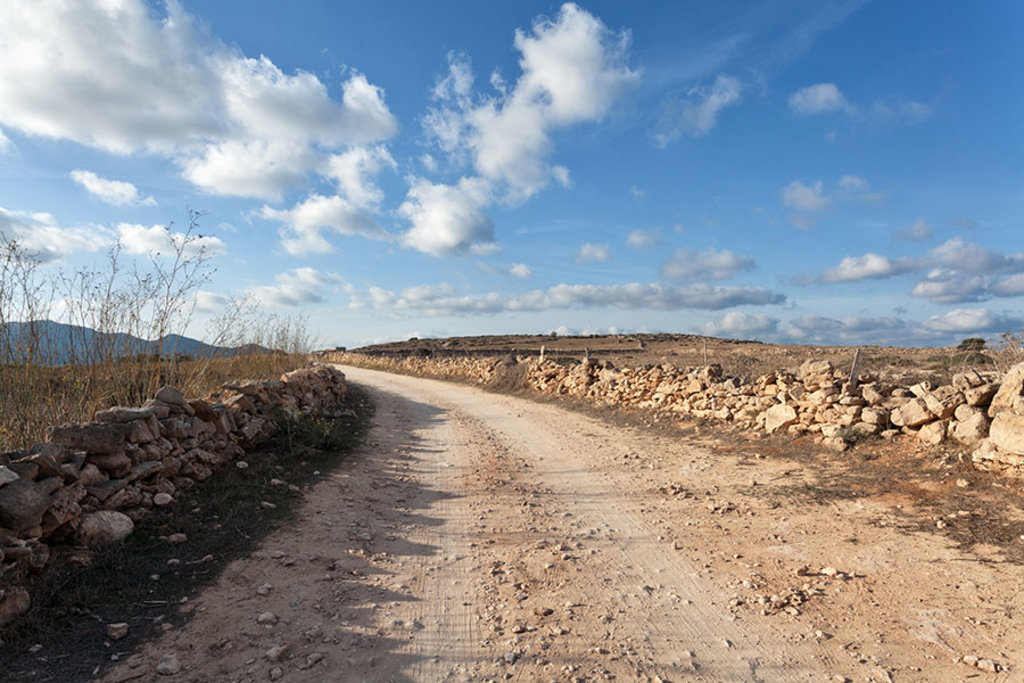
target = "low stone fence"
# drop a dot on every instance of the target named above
(88, 483)
(977, 411)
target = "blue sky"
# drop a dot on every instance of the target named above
(805, 172)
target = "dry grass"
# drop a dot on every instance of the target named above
(116, 320)
(34, 397)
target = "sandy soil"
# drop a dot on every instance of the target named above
(486, 537)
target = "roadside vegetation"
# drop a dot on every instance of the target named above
(75, 341)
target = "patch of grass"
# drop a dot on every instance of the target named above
(225, 518)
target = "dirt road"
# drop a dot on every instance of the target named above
(487, 537)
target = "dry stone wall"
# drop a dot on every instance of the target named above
(87, 485)
(978, 412)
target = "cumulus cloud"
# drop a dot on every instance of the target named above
(211, 302)
(697, 113)
(824, 98)
(918, 231)
(448, 218)
(42, 237)
(1010, 286)
(858, 329)
(640, 239)
(521, 271)
(973, 320)
(296, 287)
(945, 286)
(853, 183)
(5, 143)
(592, 253)
(803, 197)
(122, 77)
(443, 300)
(972, 258)
(819, 98)
(740, 323)
(687, 264)
(303, 226)
(573, 69)
(113, 192)
(867, 266)
(161, 241)
(354, 171)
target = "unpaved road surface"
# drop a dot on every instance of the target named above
(485, 537)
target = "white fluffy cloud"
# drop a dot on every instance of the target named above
(945, 286)
(296, 287)
(573, 69)
(711, 264)
(119, 76)
(640, 239)
(697, 113)
(740, 323)
(113, 192)
(819, 98)
(354, 171)
(161, 241)
(448, 218)
(824, 98)
(973, 320)
(5, 143)
(867, 266)
(443, 300)
(303, 226)
(39, 235)
(592, 253)
(211, 302)
(803, 197)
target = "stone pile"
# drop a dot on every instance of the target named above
(819, 400)
(88, 483)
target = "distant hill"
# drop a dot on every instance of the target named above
(54, 343)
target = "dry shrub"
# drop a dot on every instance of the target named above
(116, 341)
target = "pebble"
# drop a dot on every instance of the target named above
(264, 589)
(242, 465)
(177, 538)
(168, 665)
(163, 499)
(117, 631)
(276, 653)
(963, 483)
(267, 618)
(276, 673)
(267, 505)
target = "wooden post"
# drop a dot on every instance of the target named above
(855, 369)
(541, 353)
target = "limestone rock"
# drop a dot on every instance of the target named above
(1011, 392)
(875, 416)
(7, 476)
(94, 437)
(779, 417)
(968, 380)
(980, 396)
(913, 413)
(942, 401)
(933, 433)
(22, 504)
(104, 527)
(122, 414)
(1006, 433)
(972, 428)
(14, 603)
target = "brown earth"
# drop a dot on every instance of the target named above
(487, 537)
